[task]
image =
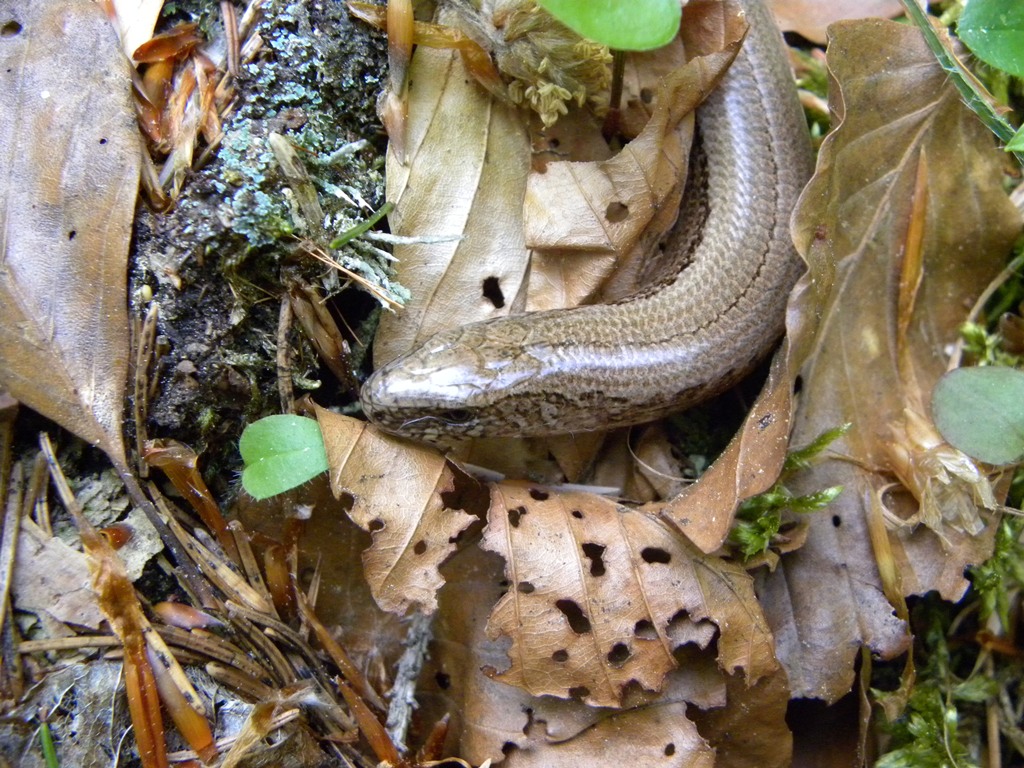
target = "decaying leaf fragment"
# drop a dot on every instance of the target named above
(881, 344)
(69, 169)
(396, 491)
(601, 597)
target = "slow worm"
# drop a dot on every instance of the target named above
(690, 337)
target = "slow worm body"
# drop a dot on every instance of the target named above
(696, 334)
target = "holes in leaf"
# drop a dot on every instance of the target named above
(420, 547)
(525, 587)
(595, 552)
(644, 630)
(508, 748)
(515, 515)
(577, 514)
(837, 521)
(443, 681)
(677, 618)
(10, 29)
(578, 621)
(493, 293)
(103, 141)
(579, 692)
(376, 525)
(655, 555)
(670, 749)
(561, 656)
(616, 212)
(619, 654)
(538, 495)
(72, 234)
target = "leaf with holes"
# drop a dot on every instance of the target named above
(602, 596)
(396, 491)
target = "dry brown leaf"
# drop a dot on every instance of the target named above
(750, 732)
(397, 491)
(446, 188)
(811, 17)
(751, 462)
(331, 545)
(601, 596)
(895, 105)
(69, 166)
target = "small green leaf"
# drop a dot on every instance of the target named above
(627, 25)
(994, 31)
(980, 411)
(280, 452)
(1016, 144)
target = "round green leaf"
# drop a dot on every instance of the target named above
(981, 412)
(627, 25)
(280, 452)
(994, 31)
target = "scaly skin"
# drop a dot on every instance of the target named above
(603, 366)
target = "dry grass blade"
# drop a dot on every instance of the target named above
(215, 569)
(371, 727)
(339, 656)
(10, 684)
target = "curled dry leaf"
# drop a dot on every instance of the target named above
(69, 169)
(397, 495)
(602, 596)
(880, 349)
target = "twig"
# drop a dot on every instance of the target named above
(284, 368)
(8, 550)
(403, 692)
(145, 346)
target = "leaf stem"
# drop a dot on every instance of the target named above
(972, 92)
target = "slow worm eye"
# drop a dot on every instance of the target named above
(456, 415)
